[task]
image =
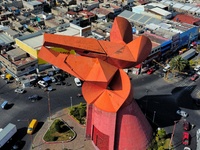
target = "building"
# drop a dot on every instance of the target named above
(114, 119)
(17, 62)
(184, 18)
(172, 35)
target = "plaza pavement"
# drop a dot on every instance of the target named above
(79, 143)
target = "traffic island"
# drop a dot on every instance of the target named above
(59, 131)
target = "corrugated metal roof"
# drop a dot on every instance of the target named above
(161, 11)
(178, 5)
(143, 19)
(186, 8)
(5, 38)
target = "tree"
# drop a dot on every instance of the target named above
(198, 48)
(178, 63)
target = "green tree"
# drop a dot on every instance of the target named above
(178, 63)
(198, 48)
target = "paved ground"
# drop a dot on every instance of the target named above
(79, 143)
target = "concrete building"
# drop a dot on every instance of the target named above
(17, 62)
(188, 8)
(33, 6)
(170, 35)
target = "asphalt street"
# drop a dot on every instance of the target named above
(157, 98)
(160, 100)
(22, 110)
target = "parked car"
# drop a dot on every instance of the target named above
(19, 90)
(77, 82)
(197, 68)
(186, 138)
(150, 71)
(182, 113)
(33, 98)
(198, 72)
(53, 79)
(42, 83)
(186, 125)
(194, 77)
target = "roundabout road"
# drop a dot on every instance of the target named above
(24, 110)
(152, 93)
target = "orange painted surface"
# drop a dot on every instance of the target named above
(99, 63)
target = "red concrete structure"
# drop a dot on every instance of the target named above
(114, 120)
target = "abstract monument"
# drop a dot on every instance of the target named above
(114, 120)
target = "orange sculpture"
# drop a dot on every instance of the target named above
(106, 87)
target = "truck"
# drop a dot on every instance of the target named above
(189, 54)
(7, 133)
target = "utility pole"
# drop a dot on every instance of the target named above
(71, 101)
(154, 115)
(49, 105)
(170, 143)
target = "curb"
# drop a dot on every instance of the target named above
(56, 142)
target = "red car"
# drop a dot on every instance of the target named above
(194, 77)
(186, 138)
(186, 125)
(150, 71)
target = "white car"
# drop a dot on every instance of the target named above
(52, 79)
(77, 82)
(182, 113)
(42, 83)
(166, 68)
(187, 148)
(19, 90)
(198, 72)
(197, 68)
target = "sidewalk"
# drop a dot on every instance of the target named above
(79, 143)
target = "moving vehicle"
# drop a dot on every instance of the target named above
(19, 90)
(4, 104)
(33, 98)
(182, 113)
(187, 148)
(166, 68)
(32, 126)
(186, 125)
(77, 82)
(7, 133)
(186, 138)
(194, 77)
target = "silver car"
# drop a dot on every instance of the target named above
(19, 90)
(182, 113)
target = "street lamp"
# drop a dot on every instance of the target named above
(49, 105)
(27, 120)
(154, 115)
(172, 134)
(71, 101)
